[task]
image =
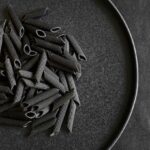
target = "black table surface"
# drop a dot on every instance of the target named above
(106, 83)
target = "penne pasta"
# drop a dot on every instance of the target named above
(16, 21)
(38, 13)
(62, 100)
(46, 102)
(73, 65)
(25, 74)
(11, 122)
(60, 119)
(45, 118)
(31, 63)
(5, 89)
(19, 92)
(46, 125)
(39, 85)
(35, 31)
(10, 73)
(72, 85)
(42, 112)
(38, 23)
(39, 97)
(48, 46)
(40, 69)
(77, 48)
(55, 82)
(71, 116)
(14, 37)
(12, 52)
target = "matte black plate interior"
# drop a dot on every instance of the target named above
(105, 87)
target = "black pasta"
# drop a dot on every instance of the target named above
(19, 92)
(31, 63)
(46, 102)
(47, 117)
(25, 74)
(73, 65)
(53, 39)
(10, 73)
(71, 116)
(1, 34)
(40, 97)
(12, 52)
(39, 68)
(16, 21)
(71, 85)
(26, 45)
(39, 85)
(62, 100)
(48, 46)
(60, 119)
(37, 13)
(35, 31)
(18, 115)
(6, 106)
(77, 48)
(38, 23)
(40, 113)
(30, 93)
(11, 122)
(14, 37)
(42, 127)
(55, 82)
(5, 89)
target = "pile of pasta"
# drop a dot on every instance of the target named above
(39, 65)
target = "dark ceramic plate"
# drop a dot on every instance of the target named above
(105, 88)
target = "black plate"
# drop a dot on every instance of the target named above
(106, 85)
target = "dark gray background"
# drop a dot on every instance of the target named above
(106, 85)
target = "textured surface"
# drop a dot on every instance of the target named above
(105, 86)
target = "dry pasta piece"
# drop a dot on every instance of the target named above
(10, 73)
(16, 21)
